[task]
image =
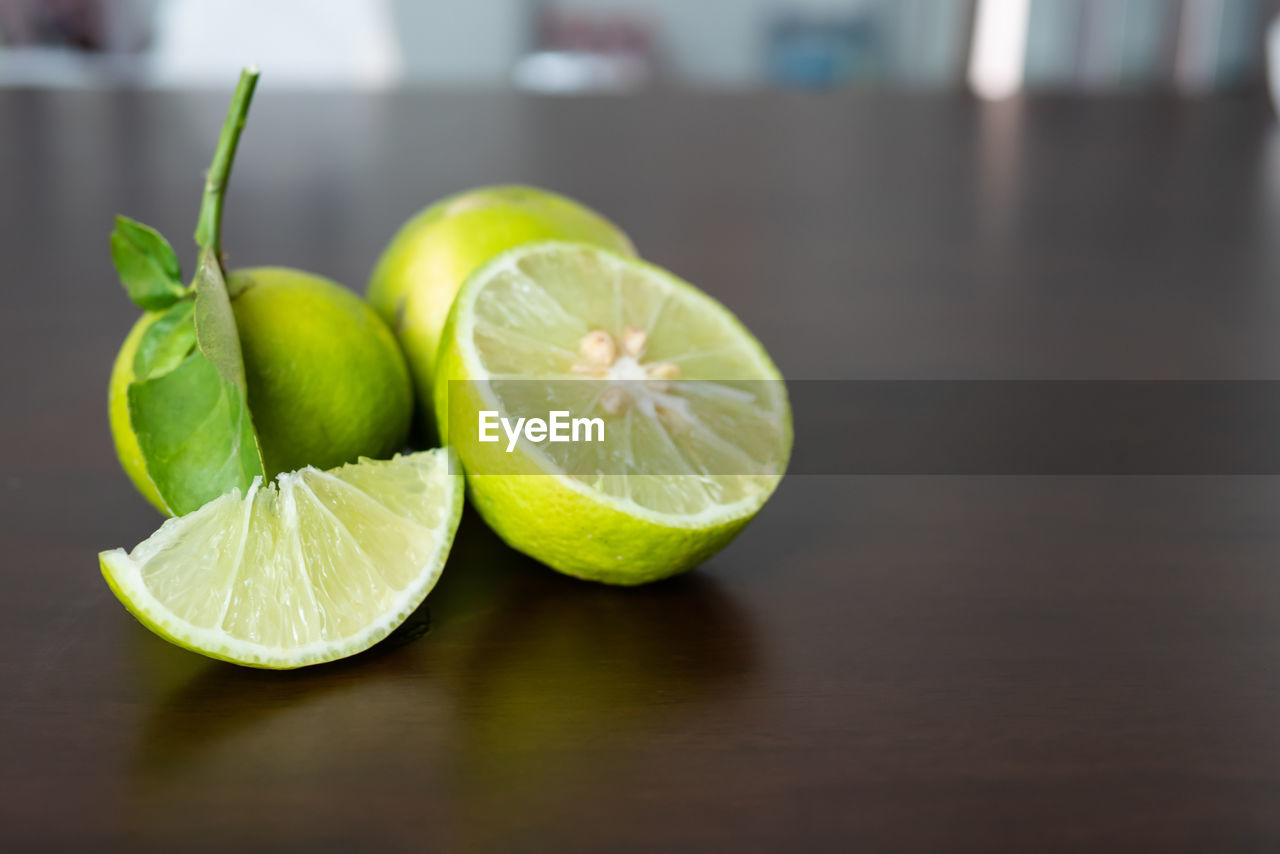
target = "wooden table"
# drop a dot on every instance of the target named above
(892, 663)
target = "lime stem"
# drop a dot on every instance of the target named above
(209, 226)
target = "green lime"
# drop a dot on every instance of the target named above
(127, 448)
(696, 428)
(415, 280)
(313, 567)
(327, 382)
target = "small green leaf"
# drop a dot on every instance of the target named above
(147, 265)
(167, 341)
(195, 434)
(215, 322)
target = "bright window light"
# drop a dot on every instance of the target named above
(999, 47)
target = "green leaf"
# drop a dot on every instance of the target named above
(192, 420)
(215, 323)
(167, 341)
(147, 265)
(195, 434)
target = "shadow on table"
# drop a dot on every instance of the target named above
(503, 654)
(562, 685)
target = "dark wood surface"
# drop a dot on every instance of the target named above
(877, 664)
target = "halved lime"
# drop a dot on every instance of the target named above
(696, 424)
(312, 567)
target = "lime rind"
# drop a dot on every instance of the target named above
(125, 576)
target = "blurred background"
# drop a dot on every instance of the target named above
(994, 47)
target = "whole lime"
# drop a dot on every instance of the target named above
(420, 272)
(326, 380)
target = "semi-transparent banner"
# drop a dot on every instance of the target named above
(880, 427)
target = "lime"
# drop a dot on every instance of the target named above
(310, 568)
(127, 448)
(327, 382)
(415, 280)
(695, 421)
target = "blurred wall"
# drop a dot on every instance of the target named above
(475, 42)
(1091, 45)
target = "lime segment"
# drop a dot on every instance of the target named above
(312, 567)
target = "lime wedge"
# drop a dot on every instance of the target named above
(315, 566)
(695, 424)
